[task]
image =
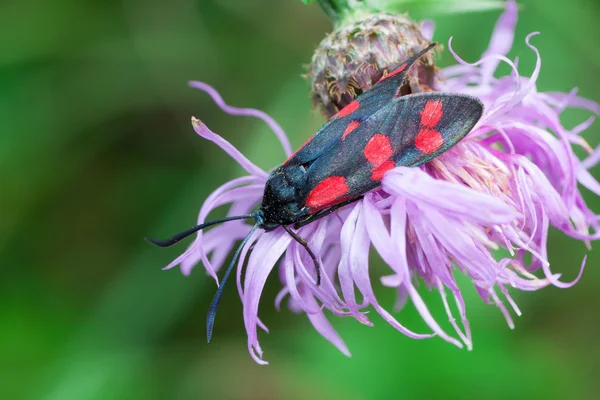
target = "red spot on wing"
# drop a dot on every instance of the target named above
(378, 150)
(395, 72)
(327, 192)
(431, 114)
(351, 126)
(377, 172)
(349, 109)
(428, 140)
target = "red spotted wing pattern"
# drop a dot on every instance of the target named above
(409, 131)
(327, 191)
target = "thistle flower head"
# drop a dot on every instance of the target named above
(502, 187)
(357, 55)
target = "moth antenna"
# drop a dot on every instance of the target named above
(180, 236)
(212, 309)
(304, 244)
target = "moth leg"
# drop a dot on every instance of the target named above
(304, 244)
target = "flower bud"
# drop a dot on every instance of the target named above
(356, 55)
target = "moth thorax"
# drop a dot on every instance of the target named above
(355, 56)
(281, 197)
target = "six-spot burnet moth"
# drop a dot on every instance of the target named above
(349, 155)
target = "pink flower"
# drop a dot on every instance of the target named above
(503, 186)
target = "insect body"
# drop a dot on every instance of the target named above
(350, 154)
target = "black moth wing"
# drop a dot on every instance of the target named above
(460, 113)
(404, 133)
(370, 102)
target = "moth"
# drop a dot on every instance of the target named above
(349, 155)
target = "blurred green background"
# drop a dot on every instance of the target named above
(97, 151)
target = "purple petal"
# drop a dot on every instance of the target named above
(267, 251)
(583, 126)
(344, 268)
(447, 197)
(521, 92)
(242, 259)
(380, 236)
(465, 337)
(427, 317)
(359, 266)
(250, 112)
(323, 326)
(427, 29)
(563, 285)
(293, 289)
(502, 39)
(206, 208)
(502, 308)
(234, 153)
(227, 193)
(325, 292)
(575, 101)
(490, 59)
(456, 240)
(433, 253)
(510, 300)
(587, 180)
(233, 231)
(592, 160)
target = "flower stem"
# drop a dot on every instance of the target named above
(338, 10)
(330, 9)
